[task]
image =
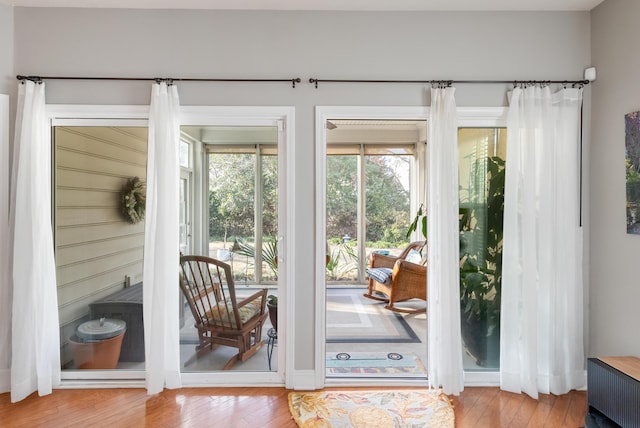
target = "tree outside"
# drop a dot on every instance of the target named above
(232, 211)
(387, 200)
(232, 205)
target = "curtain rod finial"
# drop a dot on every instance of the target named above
(590, 74)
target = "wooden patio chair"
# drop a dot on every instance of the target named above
(398, 279)
(221, 317)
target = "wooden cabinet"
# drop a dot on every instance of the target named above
(613, 392)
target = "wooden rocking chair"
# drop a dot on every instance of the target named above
(220, 316)
(395, 279)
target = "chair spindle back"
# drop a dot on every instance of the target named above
(208, 286)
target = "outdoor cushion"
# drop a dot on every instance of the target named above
(218, 314)
(381, 275)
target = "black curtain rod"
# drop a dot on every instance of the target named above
(293, 81)
(451, 82)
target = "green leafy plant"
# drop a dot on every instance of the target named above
(342, 261)
(269, 252)
(481, 240)
(419, 219)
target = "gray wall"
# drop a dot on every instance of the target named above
(7, 81)
(296, 44)
(6, 69)
(615, 287)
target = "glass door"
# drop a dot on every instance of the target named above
(240, 178)
(482, 155)
(371, 189)
(99, 190)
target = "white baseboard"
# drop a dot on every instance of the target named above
(481, 378)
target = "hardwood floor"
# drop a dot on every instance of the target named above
(261, 407)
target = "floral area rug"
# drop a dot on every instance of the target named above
(372, 409)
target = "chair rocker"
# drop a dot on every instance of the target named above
(221, 317)
(396, 279)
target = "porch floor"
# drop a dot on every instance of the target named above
(216, 359)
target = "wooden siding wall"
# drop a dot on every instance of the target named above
(95, 245)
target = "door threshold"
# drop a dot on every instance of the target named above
(353, 381)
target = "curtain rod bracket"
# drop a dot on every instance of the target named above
(294, 81)
(312, 80)
(34, 79)
(441, 84)
(167, 80)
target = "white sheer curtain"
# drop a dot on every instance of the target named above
(443, 271)
(5, 275)
(161, 245)
(35, 333)
(541, 345)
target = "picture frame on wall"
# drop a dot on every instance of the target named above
(632, 166)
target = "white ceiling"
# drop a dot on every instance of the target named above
(357, 5)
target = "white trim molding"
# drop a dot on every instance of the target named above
(482, 117)
(5, 278)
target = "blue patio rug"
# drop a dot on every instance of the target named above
(377, 364)
(353, 318)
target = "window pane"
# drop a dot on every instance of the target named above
(185, 160)
(387, 196)
(184, 215)
(385, 201)
(482, 154)
(243, 228)
(232, 213)
(99, 248)
(342, 216)
(269, 217)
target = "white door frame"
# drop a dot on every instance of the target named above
(467, 117)
(323, 113)
(284, 118)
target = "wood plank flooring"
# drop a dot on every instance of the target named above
(262, 407)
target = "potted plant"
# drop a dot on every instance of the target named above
(421, 218)
(481, 232)
(481, 226)
(272, 305)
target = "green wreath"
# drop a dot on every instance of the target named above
(133, 200)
